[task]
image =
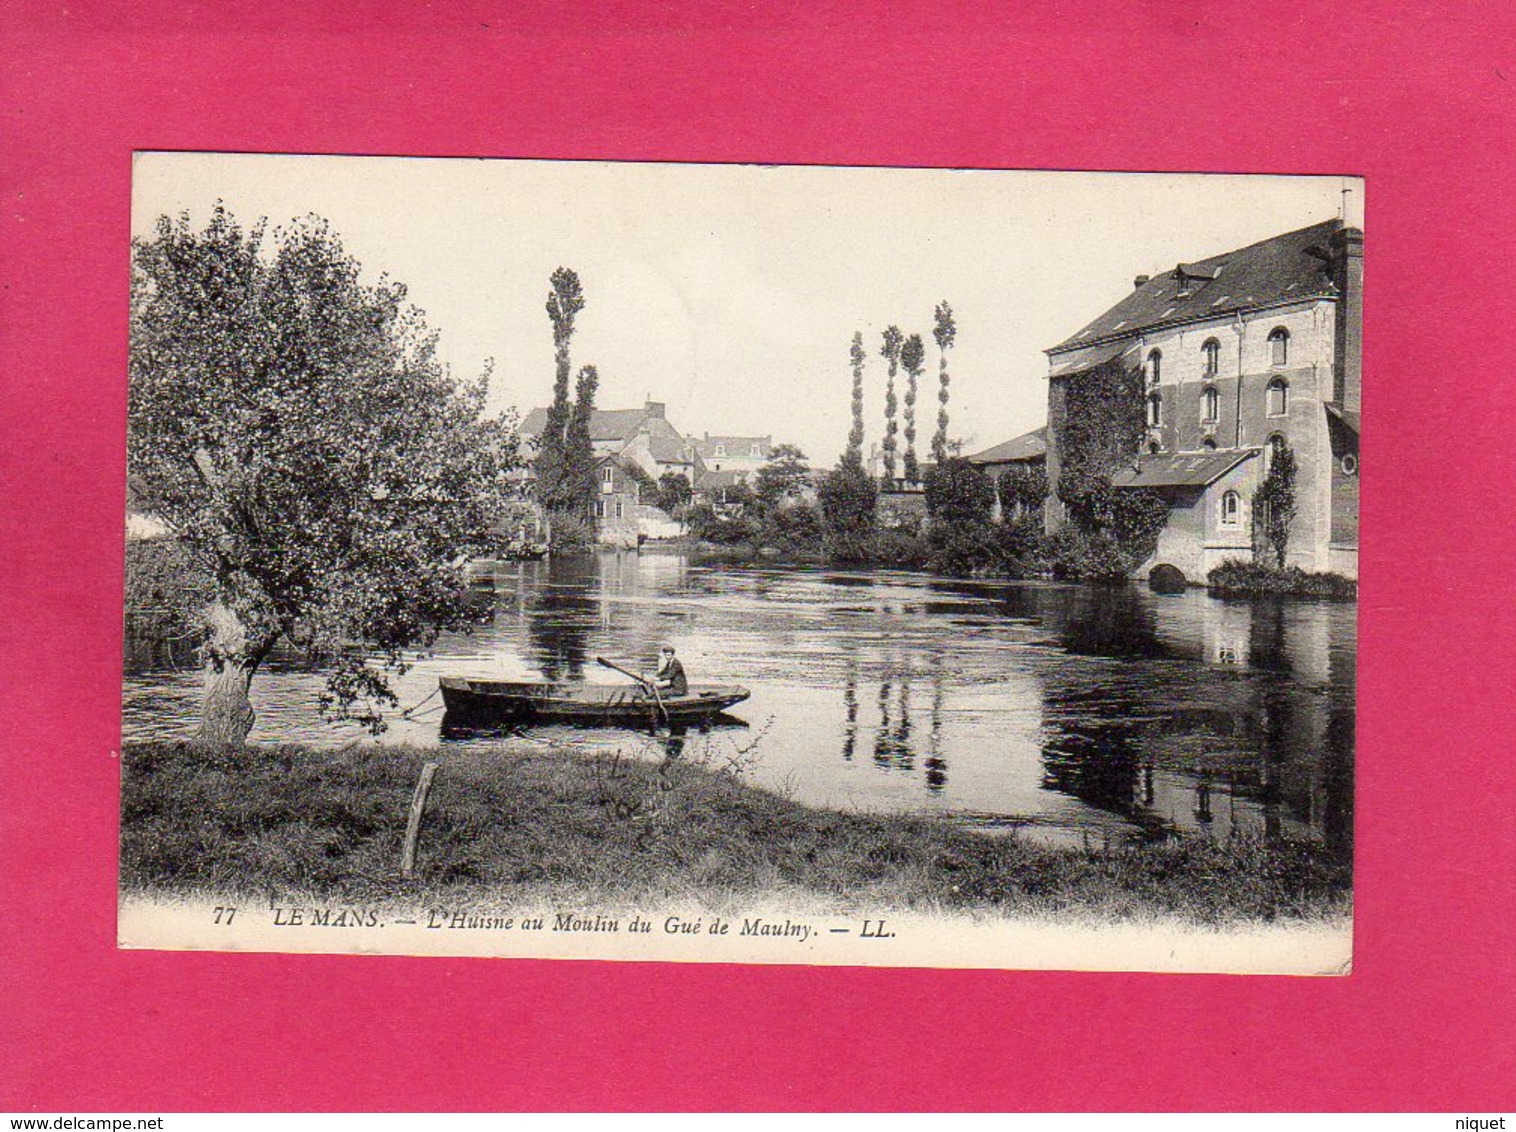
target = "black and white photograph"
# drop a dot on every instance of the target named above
(741, 563)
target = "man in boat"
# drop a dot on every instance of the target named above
(670, 679)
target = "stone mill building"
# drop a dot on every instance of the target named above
(1234, 358)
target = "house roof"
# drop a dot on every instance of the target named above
(734, 445)
(1029, 446)
(714, 481)
(1279, 269)
(1078, 363)
(1181, 469)
(621, 426)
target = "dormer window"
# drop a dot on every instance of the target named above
(721, 449)
(757, 450)
(1212, 352)
(1155, 367)
(1279, 346)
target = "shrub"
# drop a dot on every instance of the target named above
(965, 549)
(571, 534)
(849, 502)
(898, 549)
(1075, 555)
(795, 529)
(1238, 578)
(958, 493)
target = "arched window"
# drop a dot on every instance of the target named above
(1210, 406)
(1209, 445)
(1155, 366)
(1278, 397)
(1154, 448)
(1231, 509)
(1155, 410)
(1279, 346)
(1212, 352)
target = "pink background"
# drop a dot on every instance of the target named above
(1416, 97)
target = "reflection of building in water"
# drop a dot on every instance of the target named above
(1259, 741)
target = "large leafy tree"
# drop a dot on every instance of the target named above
(945, 331)
(913, 360)
(565, 300)
(890, 351)
(292, 425)
(784, 477)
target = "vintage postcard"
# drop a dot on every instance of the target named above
(860, 566)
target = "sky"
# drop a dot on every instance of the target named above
(731, 292)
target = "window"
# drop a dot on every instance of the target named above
(1278, 397)
(1212, 352)
(620, 511)
(1279, 346)
(757, 450)
(1231, 509)
(1209, 445)
(721, 449)
(1349, 465)
(1155, 367)
(1155, 410)
(1210, 406)
(607, 475)
(599, 508)
(1154, 448)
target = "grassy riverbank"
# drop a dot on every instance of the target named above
(286, 822)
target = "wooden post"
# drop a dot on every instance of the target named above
(413, 826)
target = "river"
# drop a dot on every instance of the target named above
(1072, 714)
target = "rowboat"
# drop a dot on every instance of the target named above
(486, 701)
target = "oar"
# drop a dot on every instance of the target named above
(648, 684)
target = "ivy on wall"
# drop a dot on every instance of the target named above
(1098, 418)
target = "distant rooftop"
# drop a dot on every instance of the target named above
(1029, 446)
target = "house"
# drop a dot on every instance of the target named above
(1229, 361)
(616, 510)
(741, 454)
(643, 436)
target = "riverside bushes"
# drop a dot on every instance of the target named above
(1239, 578)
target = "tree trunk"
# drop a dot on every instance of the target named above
(231, 658)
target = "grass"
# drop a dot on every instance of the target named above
(289, 822)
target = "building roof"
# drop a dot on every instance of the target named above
(1181, 469)
(1280, 269)
(715, 481)
(1029, 446)
(734, 445)
(621, 426)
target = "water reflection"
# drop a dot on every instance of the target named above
(1070, 710)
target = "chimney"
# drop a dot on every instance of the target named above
(1139, 281)
(1347, 274)
(654, 408)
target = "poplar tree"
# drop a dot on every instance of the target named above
(564, 302)
(854, 452)
(577, 488)
(890, 351)
(945, 332)
(913, 358)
